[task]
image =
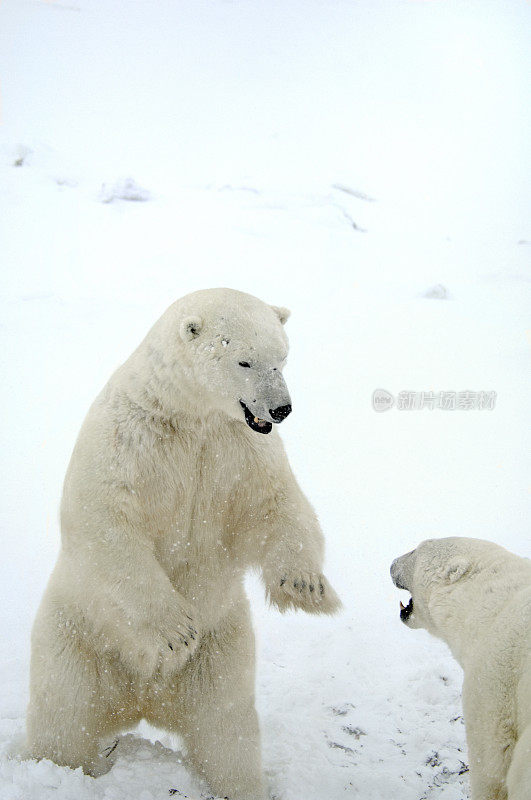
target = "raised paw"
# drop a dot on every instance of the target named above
(306, 590)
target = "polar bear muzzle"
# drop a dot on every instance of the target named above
(263, 425)
(402, 574)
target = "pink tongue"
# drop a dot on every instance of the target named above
(259, 422)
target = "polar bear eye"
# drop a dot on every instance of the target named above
(244, 364)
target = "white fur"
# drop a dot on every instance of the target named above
(168, 500)
(476, 596)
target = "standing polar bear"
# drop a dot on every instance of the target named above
(178, 484)
(476, 596)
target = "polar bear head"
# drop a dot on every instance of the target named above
(438, 575)
(228, 350)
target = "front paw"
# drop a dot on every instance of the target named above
(309, 591)
(178, 644)
(160, 650)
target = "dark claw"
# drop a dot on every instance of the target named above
(170, 645)
(282, 581)
(303, 585)
(296, 584)
(312, 587)
(111, 748)
(321, 589)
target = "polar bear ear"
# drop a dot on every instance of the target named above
(282, 313)
(456, 568)
(190, 328)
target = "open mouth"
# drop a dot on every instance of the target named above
(258, 425)
(406, 611)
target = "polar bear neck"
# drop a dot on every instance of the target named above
(163, 385)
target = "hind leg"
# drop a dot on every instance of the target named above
(211, 705)
(75, 700)
(519, 775)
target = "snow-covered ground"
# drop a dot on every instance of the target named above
(340, 157)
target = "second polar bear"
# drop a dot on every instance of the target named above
(476, 596)
(178, 484)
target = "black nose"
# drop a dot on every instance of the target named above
(280, 413)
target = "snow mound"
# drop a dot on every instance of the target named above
(124, 189)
